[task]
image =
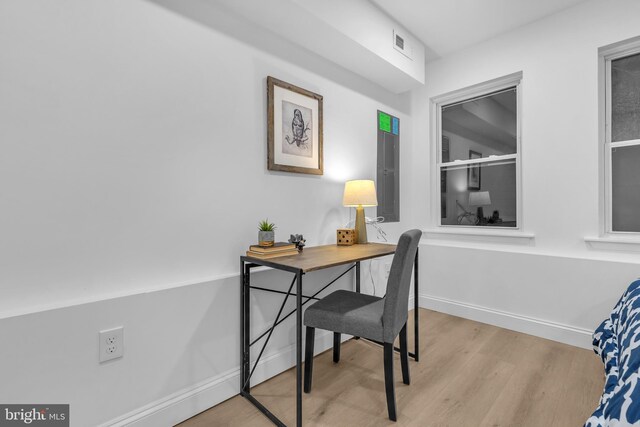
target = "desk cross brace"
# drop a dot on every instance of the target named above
(283, 292)
(278, 320)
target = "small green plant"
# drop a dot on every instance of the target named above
(265, 225)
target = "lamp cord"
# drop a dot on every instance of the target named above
(371, 221)
(381, 235)
(373, 285)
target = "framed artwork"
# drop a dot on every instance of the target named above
(473, 172)
(294, 128)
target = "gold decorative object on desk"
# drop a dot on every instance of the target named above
(346, 236)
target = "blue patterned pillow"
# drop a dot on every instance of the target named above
(617, 342)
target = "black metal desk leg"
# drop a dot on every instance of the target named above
(299, 348)
(358, 282)
(242, 310)
(246, 332)
(416, 305)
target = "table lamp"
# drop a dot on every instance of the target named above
(480, 199)
(359, 194)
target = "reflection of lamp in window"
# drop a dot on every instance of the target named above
(480, 199)
(360, 194)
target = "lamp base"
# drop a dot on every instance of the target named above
(361, 226)
(480, 215)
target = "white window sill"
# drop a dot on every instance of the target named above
(492, 235)
(614, 243)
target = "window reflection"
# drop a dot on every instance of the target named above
(625, 98)
(486, 125)
(625, 183)
(482, 194)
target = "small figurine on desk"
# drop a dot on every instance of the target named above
(298, 239)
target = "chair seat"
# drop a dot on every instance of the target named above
(349, 313)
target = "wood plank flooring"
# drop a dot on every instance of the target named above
(469, 374)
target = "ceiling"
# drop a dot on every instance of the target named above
(490, 121)
(358, 38)
(445, 26)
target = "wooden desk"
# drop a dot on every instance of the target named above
(311, 259)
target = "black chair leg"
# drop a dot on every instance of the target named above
(308, 358)
(404, 355)
(388, 380)
(336, 347)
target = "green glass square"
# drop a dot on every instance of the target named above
(384, 121)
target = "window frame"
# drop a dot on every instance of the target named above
(606, 55)
(461, 95)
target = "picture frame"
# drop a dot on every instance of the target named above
(473, 172)
(294, 128)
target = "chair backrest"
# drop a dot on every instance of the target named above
(397, 298)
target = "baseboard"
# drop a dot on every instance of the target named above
(192, 400)
(542, 328)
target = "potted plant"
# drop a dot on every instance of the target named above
(266, 235)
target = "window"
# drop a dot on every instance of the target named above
(622, 138)
(478, 146)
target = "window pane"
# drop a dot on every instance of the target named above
(625, 181)
(486, 125)
(491, 186)
(625, 98)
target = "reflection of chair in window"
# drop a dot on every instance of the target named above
(466, 217)
(479, 199)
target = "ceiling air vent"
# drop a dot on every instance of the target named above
(400, 43)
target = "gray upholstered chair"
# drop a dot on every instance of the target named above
(371, 317)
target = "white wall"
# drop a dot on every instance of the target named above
(553, 285)
(133, 175)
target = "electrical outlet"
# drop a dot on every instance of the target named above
(111, 344)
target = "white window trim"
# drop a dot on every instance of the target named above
(459, 95)
(609, 239)
(614, 243)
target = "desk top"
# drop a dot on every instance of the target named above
(319, 257)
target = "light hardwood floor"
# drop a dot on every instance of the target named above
(469, 374)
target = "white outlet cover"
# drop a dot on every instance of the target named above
(111, 344)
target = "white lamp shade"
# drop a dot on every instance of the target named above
(479, 198)
(360, 192)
